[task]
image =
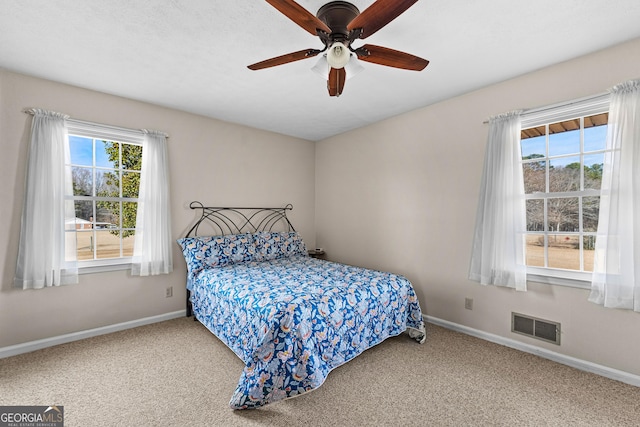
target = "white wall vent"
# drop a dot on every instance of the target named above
(533, 327)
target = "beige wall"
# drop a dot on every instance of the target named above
(212, 161)
(398, 195)
(401, 195)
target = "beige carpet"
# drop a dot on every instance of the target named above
(176, 373)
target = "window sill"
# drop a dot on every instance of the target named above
(559, 281)
(103, 268)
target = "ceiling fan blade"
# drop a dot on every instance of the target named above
(284, 59)
(378, 15)
(335, 83)
(300, 16)
(390, 57)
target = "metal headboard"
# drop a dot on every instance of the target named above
(226, 220)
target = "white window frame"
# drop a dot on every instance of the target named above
(548, 115)
(109, 133)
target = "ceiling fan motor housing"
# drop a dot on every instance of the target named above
(337, 15)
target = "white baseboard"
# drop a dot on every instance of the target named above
(75, 336)
(583, 365)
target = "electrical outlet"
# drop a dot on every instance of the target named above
(468, 303)
(169, 292)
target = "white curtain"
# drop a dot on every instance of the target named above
(616, 271)
(498, 243)
(42, 260)
(152, 252)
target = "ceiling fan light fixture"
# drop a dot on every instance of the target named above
(322, 67)
(353, 67)
(338, 55)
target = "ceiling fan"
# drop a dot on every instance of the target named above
(338, 24)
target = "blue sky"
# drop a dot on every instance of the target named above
(568, 143)
(82, 152)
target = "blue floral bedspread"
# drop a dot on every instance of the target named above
(292, 320)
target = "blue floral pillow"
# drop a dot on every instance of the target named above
(194, 250)
(274, 245)
(216, 251)
(230, 249)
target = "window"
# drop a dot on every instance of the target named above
(562, 157)
(86, 184)
(105, 166)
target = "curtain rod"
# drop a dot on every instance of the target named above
(32, 112)
(560, 104)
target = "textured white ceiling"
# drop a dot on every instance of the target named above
(192, 54)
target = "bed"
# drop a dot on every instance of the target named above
(289, 317)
